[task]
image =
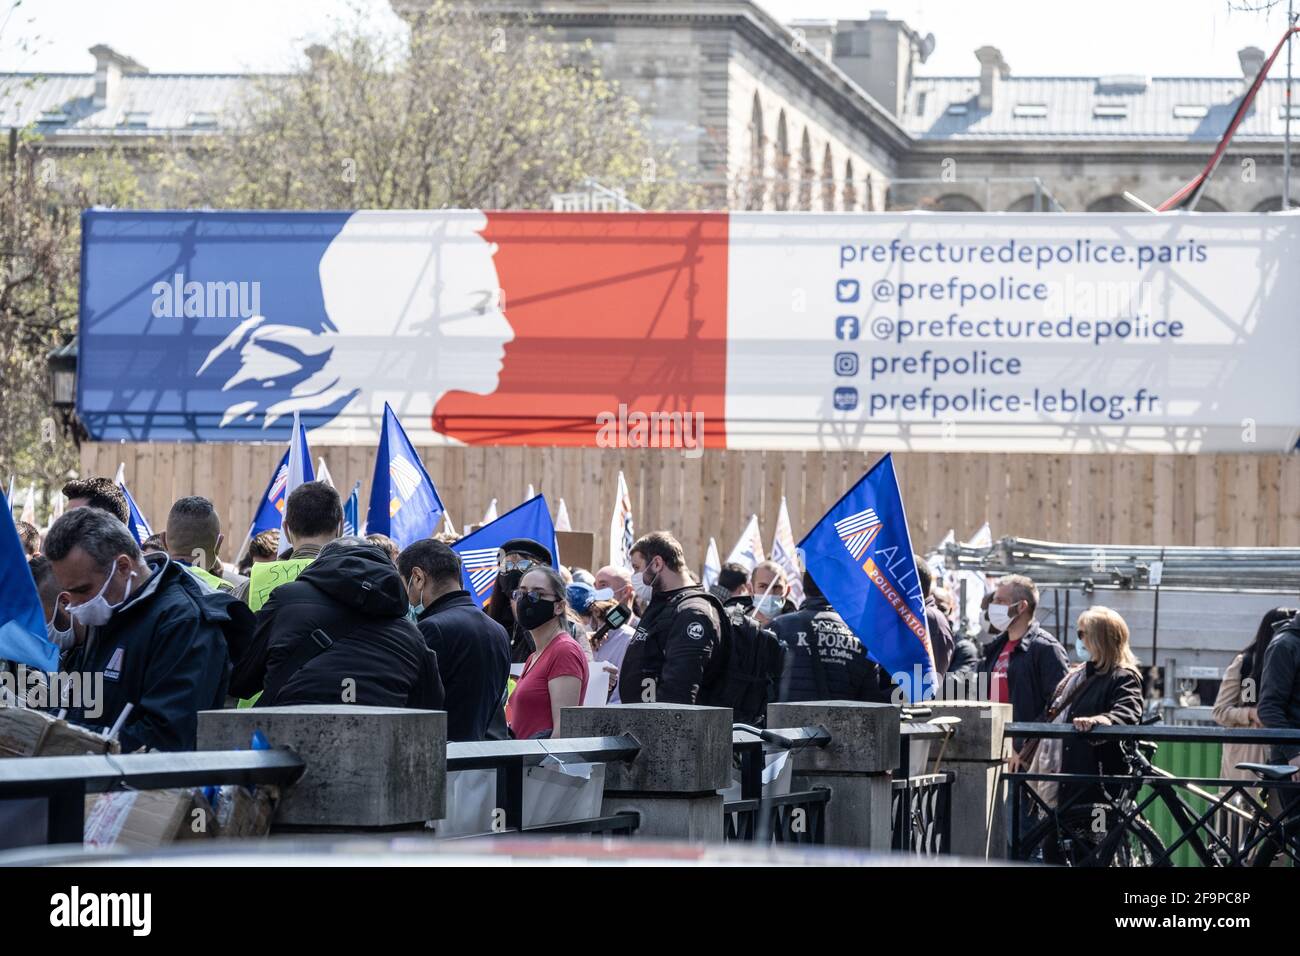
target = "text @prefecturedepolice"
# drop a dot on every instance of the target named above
(1064, 310)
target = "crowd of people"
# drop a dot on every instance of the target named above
(324, 618)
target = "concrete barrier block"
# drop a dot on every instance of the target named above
(864, 737)
(366, 766)
(684, 748)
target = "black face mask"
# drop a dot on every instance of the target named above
(510, 580)
(533, 612)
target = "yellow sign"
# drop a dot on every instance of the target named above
(266, 576)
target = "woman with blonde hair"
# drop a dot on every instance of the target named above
(1101, 692)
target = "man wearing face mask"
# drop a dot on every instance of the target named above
(1025, 663)
(59, 627)
(675, 655)
(473, 650)
(158, 636)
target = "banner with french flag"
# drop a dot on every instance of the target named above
(404, 504)
(352, 510)
(621, 533)
(786, 555)
(270, 508)
(479, 551)
(22, 619)
(860, 554)
(139, 526)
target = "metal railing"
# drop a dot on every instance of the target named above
(922, 799)
(65, 781)
(1084, 819)
(796, 817)
(511, 758)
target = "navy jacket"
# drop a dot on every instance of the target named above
(164, 651)
(846, 671)
(474, 661)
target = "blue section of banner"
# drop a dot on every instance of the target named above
(860, 555)
(161, 293)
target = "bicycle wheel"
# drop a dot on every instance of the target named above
(1072, 839)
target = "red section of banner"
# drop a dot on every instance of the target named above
(621, 317)
(897, 602)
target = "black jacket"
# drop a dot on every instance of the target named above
(966, 657)
(1118, 695)
(164, 651)
(1036, 667)
(1279, 687)
(473, 659)
(675, 652)
(378, 658)
(940, 636)
(845, 672)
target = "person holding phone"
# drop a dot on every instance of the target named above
(610, 637)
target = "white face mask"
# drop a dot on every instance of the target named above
(60, 639)
(644, 592)
(1000, 616)
(97, 611)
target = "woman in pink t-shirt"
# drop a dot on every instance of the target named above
(555, 675)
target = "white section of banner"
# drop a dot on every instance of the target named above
(1013, 332)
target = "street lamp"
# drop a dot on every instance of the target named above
(62, 364)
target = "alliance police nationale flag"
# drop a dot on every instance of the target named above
(712, 565)
(139, 526)
(860, 555)
(22, 619)
(621, 534)
(404, 504)
(478, 551)
(749, 549)
(299, 468)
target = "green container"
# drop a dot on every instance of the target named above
(1183, 759)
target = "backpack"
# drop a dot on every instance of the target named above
(752, 662)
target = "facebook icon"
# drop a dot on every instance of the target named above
(846, 327)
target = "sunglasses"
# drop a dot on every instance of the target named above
(533, 594)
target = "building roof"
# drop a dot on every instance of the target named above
(144, 104)
(1090, 108)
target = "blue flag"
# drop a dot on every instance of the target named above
(352, 512)
(478, 551)
(22, 619)
(139, 526)
(298, 470)
(404, 504)
(860, 555)
(270, 508)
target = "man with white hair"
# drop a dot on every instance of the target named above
(618, 580)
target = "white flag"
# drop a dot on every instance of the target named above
(784, 554)
(323, 473)
(562, 517)
(983, 538)
(56, 509)
(530, 495)
(749, 549)
(299, 462)
(447, 526)
(621, 535)
(491, 514)
(29, 506)
(712, 565)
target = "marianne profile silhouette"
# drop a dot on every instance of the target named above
(413, 311)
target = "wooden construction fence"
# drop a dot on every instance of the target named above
(1238, 500)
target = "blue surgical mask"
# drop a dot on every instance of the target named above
(413, 611)
(769, 606)
(1080, 649)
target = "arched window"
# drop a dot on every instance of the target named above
(1112, 204)
(1274, 204)
(781, 164)
(828, 180)
(1027, 202)
(850, 188)
(954, 202)
(806, 173)
(757, 146)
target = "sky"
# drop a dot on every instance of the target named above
(1037, 37)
